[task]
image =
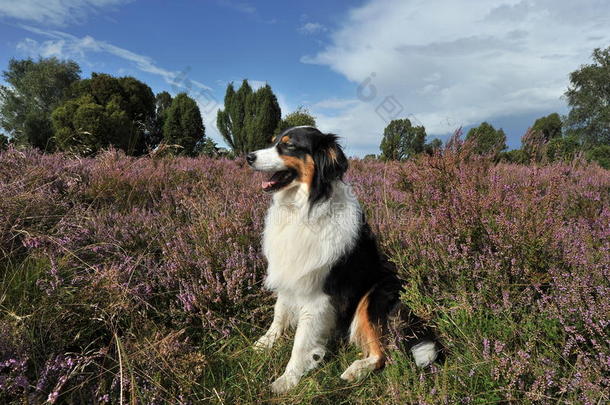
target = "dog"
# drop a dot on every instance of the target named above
(324, 263)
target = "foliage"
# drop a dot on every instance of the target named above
(35, 89)
(401, 140)
(154, 136)
(84, 127)
(142, 279)
(206, 147)
(589, 98)
(433, 146)
(600, 154)
(3, 141)
(249, 118)
(183, 124)
(514, 156)
(536, 138)
(562, 149)
(549, 127)
(295, 119)
(104, 111)
(486, 140)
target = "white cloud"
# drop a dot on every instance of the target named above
(311, 28)
(242, 7)
(335, 103)
(247, 9)
(457, 63)
(65, 46)
(54, 12)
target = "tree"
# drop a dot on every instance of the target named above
(295, 119)
(600, 154)
(84, 127)
(589, 98)
(434, 145)
(249, 118)
(183, 124)
(3, 141)
(154, 136)
(549, 127)
(35, 89)
(562, 148)
(207, 147)
(514, 156)
(103, 111)
(534, 141)
(401, 140)
(486, 139)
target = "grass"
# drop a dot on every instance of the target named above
(140, 281)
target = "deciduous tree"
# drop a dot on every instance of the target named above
(154, 136)
(534, 141)
(401, 140)
(295, 119)
(433, 146)
(103, 111)
(486, 139)
(589, 98)
(34, 89)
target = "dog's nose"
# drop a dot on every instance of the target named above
(250, 158)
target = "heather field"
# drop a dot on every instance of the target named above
(138, 280)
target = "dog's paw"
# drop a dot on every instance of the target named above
(263, 343)
(356, 371)
(284, 383)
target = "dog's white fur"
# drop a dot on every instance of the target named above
(424, 353)
(268, 160)
(301, 246)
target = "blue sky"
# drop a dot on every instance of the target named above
(354, 64)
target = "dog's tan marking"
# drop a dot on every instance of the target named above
(332, 154)
(273, 139)
(367, 335)
(285, 138)
(304, 168)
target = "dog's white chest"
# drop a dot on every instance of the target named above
(301, 246)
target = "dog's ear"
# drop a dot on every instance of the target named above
(332, 161)
(330, 164)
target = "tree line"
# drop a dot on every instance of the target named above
(47, 105)
(585, 130)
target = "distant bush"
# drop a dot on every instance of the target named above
(486, 140)
(104, 111)
(402, 140)
(601, 155)
(301, 116)
(514, 156)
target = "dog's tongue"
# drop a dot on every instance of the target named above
(266, 184)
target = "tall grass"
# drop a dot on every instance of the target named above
(139, 281)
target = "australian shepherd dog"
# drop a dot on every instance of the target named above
(324, 263)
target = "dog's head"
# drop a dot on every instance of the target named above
(301, 156)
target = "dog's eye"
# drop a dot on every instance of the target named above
(290, 146)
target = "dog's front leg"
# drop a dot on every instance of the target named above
(315, 322)
(281, 321)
